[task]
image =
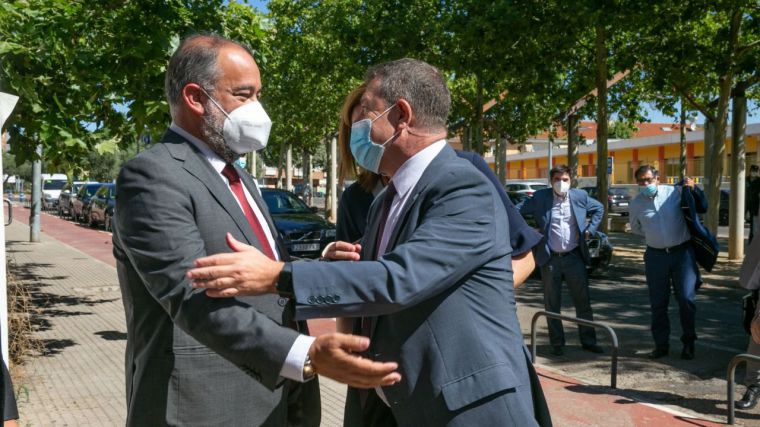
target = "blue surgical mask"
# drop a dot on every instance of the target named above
(366, 152)
(648, 190)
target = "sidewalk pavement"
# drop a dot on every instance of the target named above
(79, 379)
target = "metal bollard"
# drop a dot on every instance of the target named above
(610, 331)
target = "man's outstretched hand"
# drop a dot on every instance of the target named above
(335, 356)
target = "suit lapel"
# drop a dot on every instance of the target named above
(196, 165)
(427, 177)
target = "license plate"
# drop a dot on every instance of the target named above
(305, 247)
(622, 204)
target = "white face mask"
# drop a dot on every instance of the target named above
(561, 187)
(246, 128)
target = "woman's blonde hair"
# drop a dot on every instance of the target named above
(347, 167)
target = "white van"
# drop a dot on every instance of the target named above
(52, 184)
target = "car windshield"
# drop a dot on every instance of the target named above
(90, 189)
(53, 184)
(538, 186)
(284, 203)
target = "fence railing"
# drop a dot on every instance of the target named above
(739, 358)
(610, 331)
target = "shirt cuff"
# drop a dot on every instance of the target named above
(293, 367)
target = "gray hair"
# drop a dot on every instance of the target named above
(195, 61)
(417, 82)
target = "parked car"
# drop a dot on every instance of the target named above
(304, 233)
(527, 187)
(618, 197)
(51, 190)
(102, 205)
(81, 204)
(68, 194)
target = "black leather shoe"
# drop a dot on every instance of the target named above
(658, 353)
(593, 348)
(750, 398)
(688, 351)
(557, 350)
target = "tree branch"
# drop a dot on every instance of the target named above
(694, 102)
(741, 50)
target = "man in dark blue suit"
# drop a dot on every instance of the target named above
(560, 213)
(434, 286)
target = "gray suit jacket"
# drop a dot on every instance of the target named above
(442, 296)
(190, 359)
(540, 206)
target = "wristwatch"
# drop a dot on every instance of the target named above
(308, 370)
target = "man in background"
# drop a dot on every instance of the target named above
(560, 212)
(668, 260)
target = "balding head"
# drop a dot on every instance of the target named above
(195, 61)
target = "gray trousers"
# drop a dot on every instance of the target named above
(572, 268)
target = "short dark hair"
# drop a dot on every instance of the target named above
(644, 169)
(195, 61)
(420, 84)
(560, 169)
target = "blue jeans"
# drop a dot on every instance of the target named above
(677, 269)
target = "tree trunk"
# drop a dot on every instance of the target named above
(503, 160)
(718, 145)
(682, 132)
(736, 201)
(467, 138)
(36, 201)
(332, 189)
(289, 168)
(479, 117)
(572, 148)
(601, 121)
(281, 164)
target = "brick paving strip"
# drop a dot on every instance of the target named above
(79, 379)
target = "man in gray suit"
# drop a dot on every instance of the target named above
(191, 359)
(560, 212)
(434, 285)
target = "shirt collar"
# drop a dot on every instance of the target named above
(411, 171)
(216, 162)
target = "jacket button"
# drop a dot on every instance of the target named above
(336, 298)
(320, 299)
(311, 300)
(329, 299)
(282, 302)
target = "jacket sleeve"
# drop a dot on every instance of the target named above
(596, 209)
(700, 201)
(156, 228)
(453, 235)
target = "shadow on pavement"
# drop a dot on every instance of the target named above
(112, 335)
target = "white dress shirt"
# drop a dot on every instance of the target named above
(293, 367)
(563, 229)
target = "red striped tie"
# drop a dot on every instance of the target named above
(237, 188)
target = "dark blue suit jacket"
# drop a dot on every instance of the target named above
(540, 206)
(442, 298)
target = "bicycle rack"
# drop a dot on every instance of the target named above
(739, 358)
(610, 331)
